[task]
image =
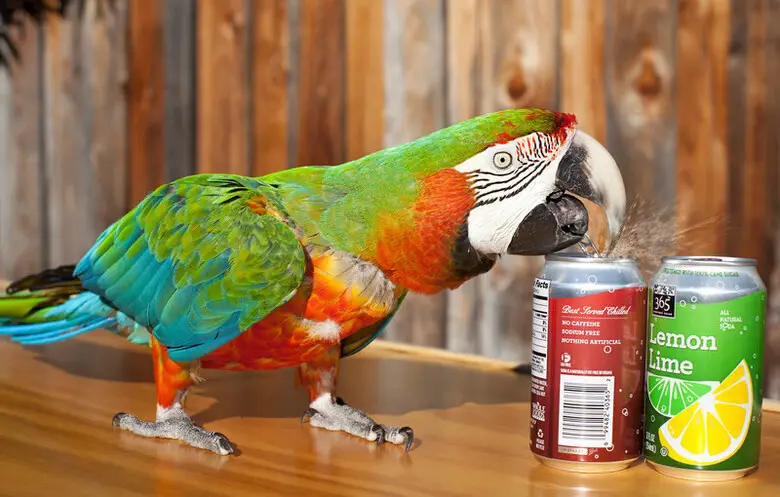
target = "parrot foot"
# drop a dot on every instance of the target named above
(173, 423)
(338, 416)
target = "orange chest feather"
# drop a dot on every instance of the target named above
(417, 250)
(286, 337)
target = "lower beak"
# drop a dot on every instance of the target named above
(589, 171)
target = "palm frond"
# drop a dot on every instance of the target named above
(14, 12)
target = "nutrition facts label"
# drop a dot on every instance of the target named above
(541, 307)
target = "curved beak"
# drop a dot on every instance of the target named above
(557, 224)
(589, 171)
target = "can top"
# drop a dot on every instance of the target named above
(708, 260)
(580, 257)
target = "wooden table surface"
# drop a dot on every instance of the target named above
(471, 422)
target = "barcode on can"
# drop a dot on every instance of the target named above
(585, 407)
(539, 327)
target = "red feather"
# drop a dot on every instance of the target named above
(418, 255)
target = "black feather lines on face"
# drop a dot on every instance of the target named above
(534, 154)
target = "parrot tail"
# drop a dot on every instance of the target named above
(51, 306)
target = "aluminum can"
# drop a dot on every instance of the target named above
(587, 363)
(705, 341)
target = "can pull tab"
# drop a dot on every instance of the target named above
(588, 247)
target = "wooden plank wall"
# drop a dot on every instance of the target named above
(107, 106)
(771, 241)
(415, 83)
(499, 56)
(23, 230)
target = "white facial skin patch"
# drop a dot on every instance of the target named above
(510, 180)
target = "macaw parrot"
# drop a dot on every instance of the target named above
(306, 266)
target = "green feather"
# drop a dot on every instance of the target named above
(20, 306)
(341, 206)
(217, 266)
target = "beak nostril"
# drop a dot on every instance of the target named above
(555, 196)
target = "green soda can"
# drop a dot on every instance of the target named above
(704, 368)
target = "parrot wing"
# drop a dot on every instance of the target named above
(198, 261)
(359, 340)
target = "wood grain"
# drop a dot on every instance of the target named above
(146, 108)
(523, 51)
(468, 62)
(582, 64)
(179, 48)
(270, 70)
(414, 82)
(702, 165)
(751, 218)
(23, 245)
(71, 184)
(640, 53)
(293, 79)
(750, 215)
(471, 424)
(772, 134)
(466, 51)
(320, 101)
(222, 87)
(364, 78)
(103, 31)
(414, 77)
(737, 126)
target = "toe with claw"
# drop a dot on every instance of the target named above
(177, 426)
(379, 433)
(337, 415)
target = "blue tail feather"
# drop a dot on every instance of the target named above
(78, 315)
(64, 334)
(70, 325)
(54, 307)
(29, 329)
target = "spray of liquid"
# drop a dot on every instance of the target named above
(649, 232)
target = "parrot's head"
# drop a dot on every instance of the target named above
(441, 209)
(530, 172)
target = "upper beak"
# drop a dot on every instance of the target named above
(589, 171)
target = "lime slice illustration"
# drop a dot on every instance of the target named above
(670, 396)
(714, 427)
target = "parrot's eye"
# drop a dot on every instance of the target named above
(502, 160)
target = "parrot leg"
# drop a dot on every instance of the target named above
(332, 413)
(173, 381)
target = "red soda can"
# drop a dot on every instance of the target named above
(588, 363)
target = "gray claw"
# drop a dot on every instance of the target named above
(308, 413)
(223, 443)
(117, 418)
(380, 433)
(409, 433)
